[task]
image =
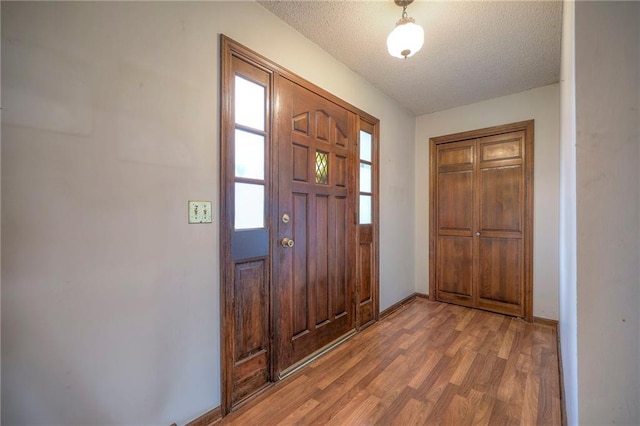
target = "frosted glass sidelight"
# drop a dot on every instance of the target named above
(249, 155)
(249, 206)
(250, 103)
(365, 146)
(365, 177)
(365, 209)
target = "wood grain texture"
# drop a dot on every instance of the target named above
(244, 278)
(367, 281)
(315, 279)
(426, 363)
(481, 192)
(317, 122)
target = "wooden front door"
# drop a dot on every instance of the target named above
(293, 250)
(481, 205)
(315, 254)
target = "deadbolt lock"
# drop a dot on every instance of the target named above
(286, 243)
(285, 218)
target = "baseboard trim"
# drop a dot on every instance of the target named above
(411, 298)
(401, 304)
(546, 321)
(563, 400)
(207, 419)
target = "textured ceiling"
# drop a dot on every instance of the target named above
(473, 50)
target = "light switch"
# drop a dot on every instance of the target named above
(199, 211)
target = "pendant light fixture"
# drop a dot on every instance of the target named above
(407, 37)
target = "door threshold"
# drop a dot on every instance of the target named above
(315, 355)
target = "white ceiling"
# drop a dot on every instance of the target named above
(473, 50)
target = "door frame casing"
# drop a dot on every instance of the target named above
(528, 128)
(231, 49)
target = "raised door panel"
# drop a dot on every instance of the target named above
(300, 163)
(339, 277)
(365, 276)
(501, 150)
(320, 255)
(501, 200)
(455, 269)
(500, 275)
(251, 323)
(250, 314)
(300, 274)
(454, 191)
(455, 203)
(458, 154)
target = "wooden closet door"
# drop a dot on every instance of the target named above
(481, 209)
(500, 212)
(455, 222)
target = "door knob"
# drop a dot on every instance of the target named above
(477, 233)
(286, 243)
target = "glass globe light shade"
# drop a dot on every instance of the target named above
(406, 39)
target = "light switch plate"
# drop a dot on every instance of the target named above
(199, 211)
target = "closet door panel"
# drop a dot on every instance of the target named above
(500, 270)
(455, 268)
(501, 199)
(455, 203)
(481, 207)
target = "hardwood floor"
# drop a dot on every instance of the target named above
(427, 363)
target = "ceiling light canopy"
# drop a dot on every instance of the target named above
(407, 37)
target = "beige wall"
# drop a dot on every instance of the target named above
(542, 105)
(109, 298)
(607, 61)
(568, 324)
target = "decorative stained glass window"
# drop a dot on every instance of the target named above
(322, 168)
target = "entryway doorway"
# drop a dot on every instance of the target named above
(299, 221)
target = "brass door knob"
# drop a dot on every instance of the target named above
(286, 243)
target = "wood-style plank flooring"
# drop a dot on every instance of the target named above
(427, 363)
